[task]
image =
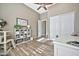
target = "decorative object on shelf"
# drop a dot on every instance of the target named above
(28, 26)
(2, 24)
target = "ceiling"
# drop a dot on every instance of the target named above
(35, 6)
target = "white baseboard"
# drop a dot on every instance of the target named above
(40, 39)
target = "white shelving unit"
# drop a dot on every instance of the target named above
(5, 42)
(23, 34)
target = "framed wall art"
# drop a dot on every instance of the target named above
(22, 22)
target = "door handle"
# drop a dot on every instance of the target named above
(57, 36)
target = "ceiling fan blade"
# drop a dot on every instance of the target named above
(43, 3)
(45, 8)
(37, 3)
(38, 7)
(48, 3)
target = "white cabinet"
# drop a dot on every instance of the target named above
(61, 25)
(64, 50)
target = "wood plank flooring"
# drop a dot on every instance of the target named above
(33, 48)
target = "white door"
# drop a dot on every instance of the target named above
(67, 23)
(44, 28)
(39, 28)
(61, 25)
(54, 27)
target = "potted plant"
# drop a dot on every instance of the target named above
(17, 27)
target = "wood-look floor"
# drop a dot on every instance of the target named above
(33, 48)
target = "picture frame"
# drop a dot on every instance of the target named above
(21, 21)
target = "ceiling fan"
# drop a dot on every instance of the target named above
(43, 5)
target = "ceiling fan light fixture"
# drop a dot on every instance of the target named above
(43, 5)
